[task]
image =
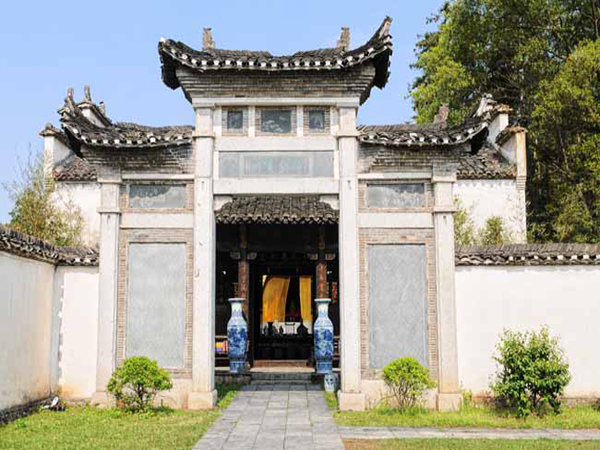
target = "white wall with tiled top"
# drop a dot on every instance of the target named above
(565, 298)
(484, 199)
(27, 325)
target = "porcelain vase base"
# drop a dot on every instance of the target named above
(324, 367)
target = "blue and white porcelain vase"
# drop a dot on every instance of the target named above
(323, 333)
(237, 336)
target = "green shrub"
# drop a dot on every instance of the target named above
(464, 229)
(532, 372)
(136, 383)
(494, 232)
(407, 380)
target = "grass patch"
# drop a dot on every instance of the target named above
(471, 416)
(469, 444)
(91, 428)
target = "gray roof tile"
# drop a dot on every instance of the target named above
(273, 209)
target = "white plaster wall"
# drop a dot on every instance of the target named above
(488, 198)
(565, 298)
(26, 330)
(87, 197)
(77, 288)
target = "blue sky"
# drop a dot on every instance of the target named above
(112, 46)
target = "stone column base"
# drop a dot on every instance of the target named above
(102, 398)
(352, 401)
(202, 400)
(449, 402)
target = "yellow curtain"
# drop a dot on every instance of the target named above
(274, 296)
(305, 299)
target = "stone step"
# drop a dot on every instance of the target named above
(282, 376)
(282, 382)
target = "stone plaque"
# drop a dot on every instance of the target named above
(275, 164)
(316, 120)
(156, 302)
(149, 196)
(235, 120)
(397, 304)
(397, 195)
(277, 121)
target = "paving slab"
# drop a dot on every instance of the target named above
(274, 417)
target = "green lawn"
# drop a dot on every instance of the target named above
(90, 428)
(579, 417)
(469, 444)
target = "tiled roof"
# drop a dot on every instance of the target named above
(528, 255)
(81, 130)
(272, 209)
(487, 164)
(416, 135)
(75, 169)
(20, 244)
(378, 50)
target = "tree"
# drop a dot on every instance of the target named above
(511, 49)
(39, 210)
(567, 124)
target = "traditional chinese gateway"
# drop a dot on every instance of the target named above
(278, 196)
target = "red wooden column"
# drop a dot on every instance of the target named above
(321, 281)
(243, 269)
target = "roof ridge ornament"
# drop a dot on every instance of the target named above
(486, 104)
(87, 93)
(385, 27)
(208, 42)
(343, 42)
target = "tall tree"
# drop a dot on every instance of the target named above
(39, 210)
(510, 49)
(567, 124)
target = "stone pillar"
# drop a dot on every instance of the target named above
(321, 275)
(350, 396)
(449, 397)
(108, 281)
(203, 395)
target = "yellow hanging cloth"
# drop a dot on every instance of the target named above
(274, 296)
(306, 299)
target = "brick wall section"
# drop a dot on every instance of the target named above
(398, 236)
(169, 160)
(363, 206)
(155, 236)
(124, 198)
(376, 158)
(347, 83)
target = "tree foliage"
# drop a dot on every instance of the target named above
(523, 52)
(567, 124)
(39, 210)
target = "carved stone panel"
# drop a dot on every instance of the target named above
(397, 303)
(156, 302)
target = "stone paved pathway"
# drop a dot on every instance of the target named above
(274, 417)
(464, 433)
